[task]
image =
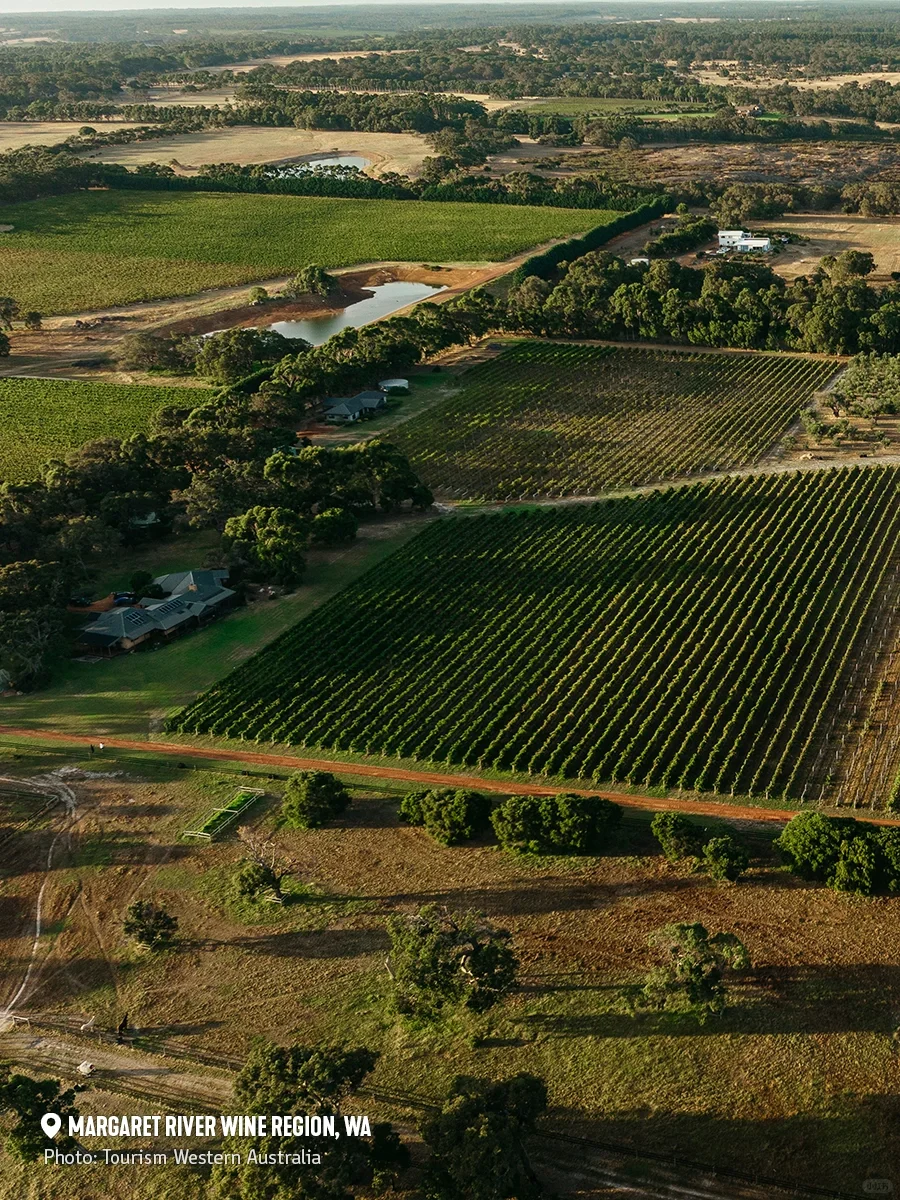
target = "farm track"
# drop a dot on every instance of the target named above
(737, 812)
(205, 1080)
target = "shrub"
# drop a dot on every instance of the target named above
(725, 858)
(562, 824)
(312, 798)
(150, 926)
(449, 815)
(678, 837)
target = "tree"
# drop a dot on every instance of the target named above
(258, 295)
(693, 970)
(725, 858)
(311, 280)
(9, 310)
(5, 346)
(28, 1100)
(561, 824)
(312, 799)
(477, 1140)
(334, 526)
(306, 1081)
(859, 866)
(268, 543)
(30, 641)
(441, 959)
(33, 321)
(263, 870)
(678, 837)
(235, 353)
(449, 815)
(149, 925)
(810, 843)
(174, 353)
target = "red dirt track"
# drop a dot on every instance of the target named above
(734, 812)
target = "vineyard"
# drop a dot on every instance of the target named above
(550, 419)
(93, 249)
(46, 418)
(697, 638)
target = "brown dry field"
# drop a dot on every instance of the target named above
(284, 60)
(830, 233)
(808, 1047)
(786, 162)
(15, 134)
(401, 152)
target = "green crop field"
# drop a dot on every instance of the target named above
(546, 419)
(46, 418)
(694, 638)
(93, 249)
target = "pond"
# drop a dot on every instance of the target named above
(388, 298)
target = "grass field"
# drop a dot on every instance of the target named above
(546, 419)
(90, 250)
(46, 418)
(832, 233)
(796, 1080)
(694, 639)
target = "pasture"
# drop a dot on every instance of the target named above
(831, 233)
(745, 1090)
(94, 249)
(47, 418)
(694, 638)
(545, 419)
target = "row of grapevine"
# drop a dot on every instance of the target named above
(557, 419)
(693, 638)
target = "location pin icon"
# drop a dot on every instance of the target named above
(51, 1123)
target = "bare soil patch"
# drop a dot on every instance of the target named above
(400, 152)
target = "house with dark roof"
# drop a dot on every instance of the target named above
(194, 599)
(354, 408)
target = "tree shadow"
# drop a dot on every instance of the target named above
(314, 943)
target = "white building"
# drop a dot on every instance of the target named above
(729, 238)
(754, 245)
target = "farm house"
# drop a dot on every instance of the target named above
(194, 598)
(354, 408)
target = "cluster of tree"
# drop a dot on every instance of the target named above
(742, 303)
(150, 925)
(868, 388)
(562, 824)
(727, 125)
(222, 358)
(441, 960)
(691, 230)
(723, 857)
(847, 855)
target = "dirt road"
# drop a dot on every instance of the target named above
(710, 808)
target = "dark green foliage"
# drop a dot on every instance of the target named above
(334, 526)
(477, 1140)
(561, 824)
(725, 858)
(235, 353)
(312, 799)
(254, 878)
(693, 970)
(449, 815)
(678, 837)
(811, 843)
(858, 867)
(268, 544)
(150, 925)
(27, 1100)
(440, 959)
(303, 1080)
